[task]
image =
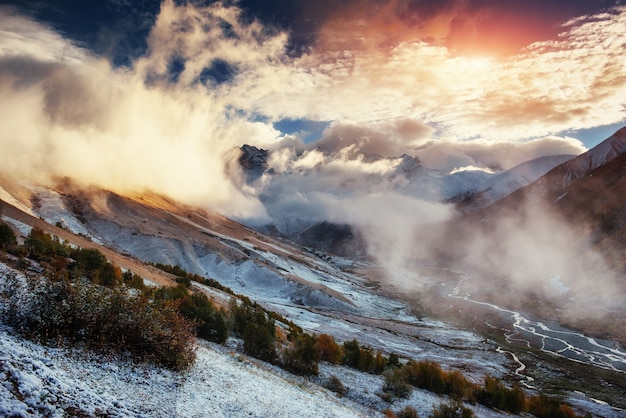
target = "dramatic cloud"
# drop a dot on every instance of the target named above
(65, 112)
(575, 81)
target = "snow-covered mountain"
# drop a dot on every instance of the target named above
(500, 185)
(298, 188)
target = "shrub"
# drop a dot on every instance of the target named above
(495, 395)
(457, 386)
(91, 263)
(407, 412)
(303, 358)
(42, 246)
(7, 237)
(396, 383)
(328, 349)
(335, 385)
(426, 375)
(103, 319)
(452, 410)
(542, 406)
(209, 321)
(393, 361)
(257, 330)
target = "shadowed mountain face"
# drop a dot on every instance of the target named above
(342, 240)
(587, 192)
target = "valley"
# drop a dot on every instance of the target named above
(440, 317)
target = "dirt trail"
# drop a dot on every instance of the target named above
(126, 262)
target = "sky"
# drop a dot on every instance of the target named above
(148, 95)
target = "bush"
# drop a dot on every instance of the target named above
(328, 349)
(7, 237)
(335, 385)
(396, 383)
(426, 375)
(103, 319)
(209, 321)
(257, 330)
(407, 412)
(43, 246)
(542, 406)
(91, 263)
(452, 410)
(495, 395)
(351, 354)
(303, 358)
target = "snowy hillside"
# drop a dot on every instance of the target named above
(500, 185)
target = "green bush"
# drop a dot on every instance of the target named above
(210, 322)
(256, 328)
(42, 246)
(396, 383)
(302, 358)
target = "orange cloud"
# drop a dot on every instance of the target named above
(469, 27)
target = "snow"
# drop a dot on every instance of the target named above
(53, 209)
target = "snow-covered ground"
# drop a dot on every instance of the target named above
(55, 382)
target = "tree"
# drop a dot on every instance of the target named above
(256, 328)
(303, 358)
(328, 349)
(351, 354)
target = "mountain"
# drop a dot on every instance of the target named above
(561, 237)
(253, 160)
(576, 168)
(496, 187)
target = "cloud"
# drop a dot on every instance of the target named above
(447, 156)
(67, 113)
(575, 81)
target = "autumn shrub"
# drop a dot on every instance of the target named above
(494, 394)
(328, 349)
(543, 406)
(407, 412)
(426, 375)
(103, 319)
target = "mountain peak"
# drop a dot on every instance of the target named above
(253, 160)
